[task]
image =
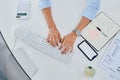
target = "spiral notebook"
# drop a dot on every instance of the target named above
(100, 30)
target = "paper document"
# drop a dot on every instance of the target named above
(23, 9)
(110, 76)
(111, 59)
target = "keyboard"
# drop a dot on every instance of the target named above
(40, 43)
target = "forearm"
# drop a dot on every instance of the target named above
(53, 36)
(89, 13)
(48, 17)
(83, 23)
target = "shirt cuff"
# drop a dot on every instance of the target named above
(90, 12)
(44, 4)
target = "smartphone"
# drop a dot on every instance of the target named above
(87, 50)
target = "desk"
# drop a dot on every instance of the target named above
(49, 68)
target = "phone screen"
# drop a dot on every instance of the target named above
(87, 50)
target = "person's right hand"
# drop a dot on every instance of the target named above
(54, 37)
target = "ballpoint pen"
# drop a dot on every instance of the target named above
(102, 32)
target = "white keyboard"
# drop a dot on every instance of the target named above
(40, 43)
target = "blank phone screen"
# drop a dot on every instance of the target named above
(87, 50)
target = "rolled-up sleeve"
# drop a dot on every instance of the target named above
(91, 9)
(44, 4)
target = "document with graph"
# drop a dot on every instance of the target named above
(100, 31)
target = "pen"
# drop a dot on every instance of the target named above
(102, 32)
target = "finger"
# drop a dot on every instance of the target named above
(71, 49)
(56, 41)
(62, 40)
(52, 43)
(56, 38)
(48, 39)
(59, 39)
(62, 44)
(65, 49)
(65, 46)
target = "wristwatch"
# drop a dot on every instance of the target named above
(77, 32)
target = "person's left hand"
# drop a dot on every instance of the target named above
(68, 42)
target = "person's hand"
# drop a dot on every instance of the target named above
(54, 37)
(68, 42)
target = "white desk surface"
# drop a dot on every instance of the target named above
(66, 15)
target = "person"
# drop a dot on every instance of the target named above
(67, 42)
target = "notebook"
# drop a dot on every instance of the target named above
(100, 30)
